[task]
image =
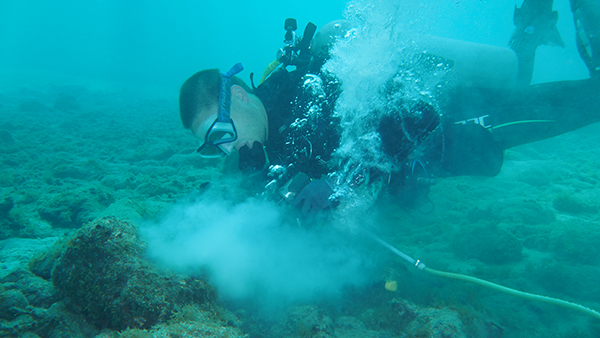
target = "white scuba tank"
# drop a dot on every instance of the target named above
(475, 65)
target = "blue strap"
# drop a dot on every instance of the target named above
(234, 70)
(225, 93)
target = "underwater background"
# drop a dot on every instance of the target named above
(112, 226)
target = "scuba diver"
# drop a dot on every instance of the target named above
(279, 142)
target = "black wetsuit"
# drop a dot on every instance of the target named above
(299, 139)
(466, 138)
(304, 132)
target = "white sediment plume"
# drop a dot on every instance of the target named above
(251, 252)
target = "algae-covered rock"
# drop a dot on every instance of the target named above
(42, 264)
(574, 280)
(189, 322)
(576, 241)
(126, 209)
(103, 275)
(12, 303)
(572, 204)
(72, 208)
(28, 302)
(305, 321)
(153, 189)
(56, 322)
(69, 171)
(119, 182)
(9, 224)
(16, 252)
(38, 291)
(394, 318)
(517, 211)
(490, 244)
(429, 322)
(6, 206)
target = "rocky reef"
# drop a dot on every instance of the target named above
(98, 281)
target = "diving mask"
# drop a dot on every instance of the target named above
(220, 133)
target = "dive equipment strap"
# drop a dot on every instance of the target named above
(225, 93)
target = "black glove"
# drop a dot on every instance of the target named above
(314, 197)
(410, 186)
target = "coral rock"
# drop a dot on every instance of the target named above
(103, 275)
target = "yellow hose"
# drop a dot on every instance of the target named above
(514, 292)
(419, 265)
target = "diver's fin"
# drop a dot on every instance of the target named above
(554, 38)
(535, 25)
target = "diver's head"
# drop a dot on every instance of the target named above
(324, 39)
(199, 102)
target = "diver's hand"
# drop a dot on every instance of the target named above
(314, 197)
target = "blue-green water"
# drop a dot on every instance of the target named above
(147, 43)
(159, 44)
(89, 128)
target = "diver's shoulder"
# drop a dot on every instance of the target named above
(280, 83)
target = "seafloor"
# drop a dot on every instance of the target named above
(81, 168)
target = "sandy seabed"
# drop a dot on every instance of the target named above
(70, 155)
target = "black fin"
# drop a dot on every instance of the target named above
(536, 25)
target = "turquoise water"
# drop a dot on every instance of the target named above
(159, 44)
(89, 128)
(152, 43)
